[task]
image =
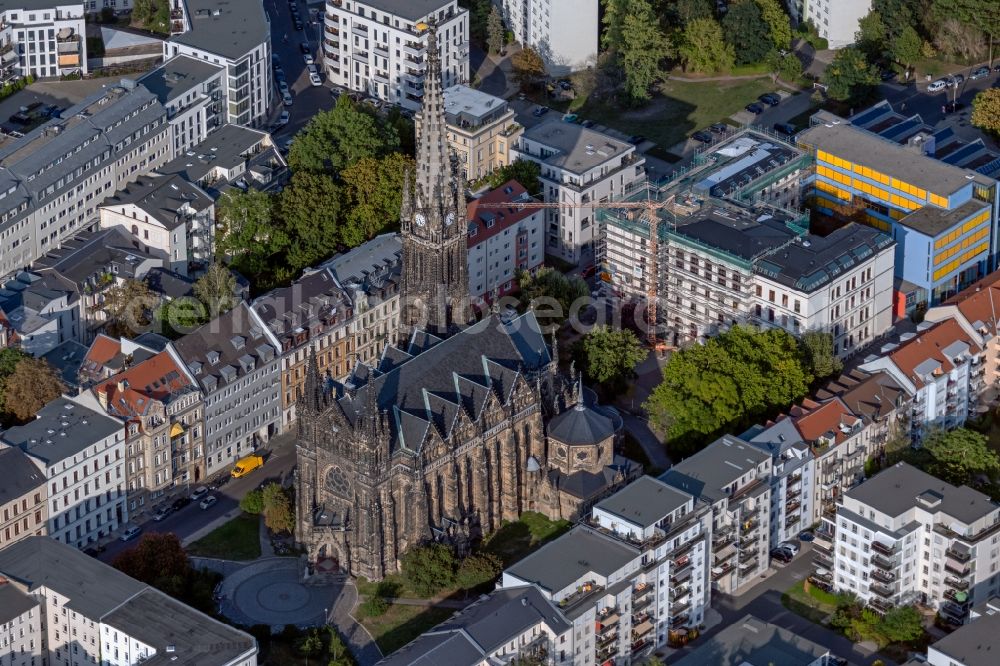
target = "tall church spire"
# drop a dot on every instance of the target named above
(435, 289)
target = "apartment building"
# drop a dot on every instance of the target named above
(81, 453)
(166, 216)
(752, 642)
(905, 536)
(941, 216)
(579, 166)
(40, 312)
(734, 478)
(161, 408)
(629, 577)
(42, 38)
(481, 130)
(835, 20)
(193, 93)
(792, 481)
(971, 644)
(235, 360)
(311, 319)
(55, 176)
(74, 609)
(503, 241)
(235, 36)
(379, 47)
(370, 274)
(941, 367)
(24, 507)
(882, 404)
(564, 32)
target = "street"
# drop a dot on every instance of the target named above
(279, 461)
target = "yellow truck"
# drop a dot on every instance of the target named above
(246, 465)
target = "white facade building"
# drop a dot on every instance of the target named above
(82, 454)
(64, 607)
(835, 20)
(905, 536)
(579, 166)
(41, 38)
(193, 92)
(627, 577)
(564, 32)
(379, 47)
(237, 37)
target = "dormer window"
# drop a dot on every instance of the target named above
(238, 341)
(212, 357)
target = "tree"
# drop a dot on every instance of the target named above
(335, 139)
(478, 569)
(692, 10)
(979, 14)
(729, 382)
(337, 651)
(32, 384)
(902, 624)
(277, 508)
(310, 209)
(494, 29)
(788, 67)
(986, 110)
(180, 316)
(245, 233)
(429, 568)
(551, 294)
(216, 289)
(897, 14)
(777, 21)
(129, 306)
(529, 68)
(615, 12)
(906, 49)
(374, 606)
(374, 195)
(642, 50)
(871, 35)
(9, 358)
(818, 347)
(960, 40)
(525, 172)
(253, 502)
(611, 355)
(850, 78)
(159, 560)
(747, 32)
(312, 644)
(703, 48)
(957, 455)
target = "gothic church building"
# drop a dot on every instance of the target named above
(461, 425)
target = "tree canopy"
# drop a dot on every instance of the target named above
(29, 386)
(216, 288)
(551, 293)
(703, 49)
(158, 559)
(850, 78)
(429, 568)
(529, 67)
(642, 49)
(958, 455)
(747, 32)
(728, 382)
(610, 356)
(819, 354)
(374, 196)
(525, 172)
(777, 22)
(986, 110)
(129, 306)
(335, 139)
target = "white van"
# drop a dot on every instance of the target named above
(937, 86)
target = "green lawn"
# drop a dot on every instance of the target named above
(401, 624)
(236, 540)
(681, 109)
(515, 540)
(815, 605)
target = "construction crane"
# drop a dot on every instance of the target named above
(649, 209)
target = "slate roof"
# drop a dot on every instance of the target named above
(91, 253)
(413, 10)
(61, 429)
(177, 76)
(162, 198)
(13, 602)
(20, 476)
(753, 642)
(870, 396)
(311, 300)
(572, 557)
(66, 359)
(229, 28)
(972, 644)
(430, 387)
(717, 466)
(644, 502)
(580, 425)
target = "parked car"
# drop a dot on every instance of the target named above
(208, 502)
(307, 58)
(792, 548)
(952, 107)
(937, 86)
(770, 99)
(787, 129)
(587, 123)
(94, 550)
(996, 68)
(130, 533)
(806, 535)
(636, 139)
(540, 111)
(565, 85)
(957, 79)
(304, 47)
(283, 86)
(286, 99)
(570, 118)
(703, 136)
(283, 119)
(781, 555)
(314, 79)
(888, 75)
(249, 463)
(980, 73)
(299, 26)
(754, 108)
(719, 128)
(162, 512)
(198, 493)
(180, 503)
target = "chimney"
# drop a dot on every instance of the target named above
(102, 397)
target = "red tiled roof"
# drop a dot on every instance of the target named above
(980, 302)
(929, 345)
(813, 420)
(153, 379)
(505, 217)
(102, 350)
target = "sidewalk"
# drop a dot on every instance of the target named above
(215, 524)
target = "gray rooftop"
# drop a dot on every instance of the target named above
(93, 588)
(817, 261)
(177, 76)
(577, 148)
(87, 255)
(226, 148)
(741, 233)
(715, 468)
(66, 360)
(413, 10)
(645, 502)
(753, 642)
(228, 28)
(481, 628)
(312, 300)
(933, 221)
(972, 644)
(894, 491)
(468, 107)
(20, 476)
(192, 638)
(164, 198)
(581, 425)
(61, 429)
(573, 557)
(890, 158)
(13, 602)
(369, 262)
(7, 5)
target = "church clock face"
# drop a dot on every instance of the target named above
(336, 481)
(449, 219)
(420, 219)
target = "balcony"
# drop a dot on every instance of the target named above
(723, 539)
(884, 549)
(956, 568)
(748, 568)
(957, 583)
(747, 555)
(793, 506)
(957, 596)
(414, 49)
(724, 554)
(748, 528)
(881, 590)
(883, 562)
(958, 555)
(720, 571)
(360, 30)
(880, 605)
(678, 608)
(883, 576)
